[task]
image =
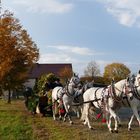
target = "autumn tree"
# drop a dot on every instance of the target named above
(116, 71)
(17, 52)
(65, 74)
(92, 69)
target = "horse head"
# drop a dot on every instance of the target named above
(123, 88)
(129, 84)
(137, 79)
(133, 83)
(75, 80)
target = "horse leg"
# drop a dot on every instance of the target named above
(87, 115)
(60, 116)
(78, 112)
(109, 123)
(130, 122)
(54, 109)
(67, 108)
(69, 116)
(60, 109)
(114, 115)
(135, 111)
(119, 121)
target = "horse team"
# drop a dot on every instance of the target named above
(109, 99)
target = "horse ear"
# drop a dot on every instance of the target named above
(75, 75)
(139, 72)
(133, 78)
(112, 80)
(127, 79)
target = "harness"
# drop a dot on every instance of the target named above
(67, 90)
(60, 90)
(96, 97)
(123, 94)
(135, 92)
(68, 93)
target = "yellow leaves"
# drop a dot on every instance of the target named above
(116, 71)
(65, 72)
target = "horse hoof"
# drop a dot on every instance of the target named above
(119, 125)
(111, 131)
(116, 131)
(60, 119)
(91, 128)
(84, 123)
(129, 129)
(71, 122)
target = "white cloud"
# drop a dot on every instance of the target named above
(73, 49)
(78, 65)
(45, 6)
(56, 58)
(78, 56)
(127, 12)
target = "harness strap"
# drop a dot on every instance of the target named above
(126, 100)
(96, 97)
(104, 102)
(67, 92)
(135, 93)
(112, 91)
(58, 92)
(78, 104)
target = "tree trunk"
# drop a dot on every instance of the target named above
(9, 96)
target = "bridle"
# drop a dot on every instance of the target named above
(73, 83)
(126, 90)
(73, 80)
(135, 87)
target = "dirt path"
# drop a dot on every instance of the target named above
(45, 128)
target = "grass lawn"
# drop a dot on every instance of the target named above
(16, 123)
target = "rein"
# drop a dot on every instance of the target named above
(78, 104)
(125, 92)
(112, 92)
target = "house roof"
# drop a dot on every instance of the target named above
(39, 69)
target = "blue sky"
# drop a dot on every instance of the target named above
(80, 31)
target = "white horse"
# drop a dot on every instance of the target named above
(109, 100)
(65, 95)
(78, 100)
(135, 101)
